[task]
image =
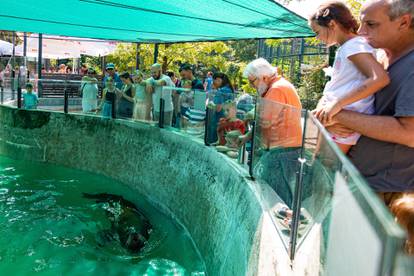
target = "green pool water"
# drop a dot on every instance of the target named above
(48, 228)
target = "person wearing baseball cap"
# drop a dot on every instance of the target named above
(110, 72)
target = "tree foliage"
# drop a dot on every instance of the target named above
(228, 57)
(311, 87)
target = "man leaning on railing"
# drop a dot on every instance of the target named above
(281, 131)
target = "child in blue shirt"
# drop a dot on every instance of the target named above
(30, 99)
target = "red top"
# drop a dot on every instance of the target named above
(225, 125)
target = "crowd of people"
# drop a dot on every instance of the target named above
(136, 96)
(367, 106)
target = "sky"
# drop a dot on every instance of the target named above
(304, 7)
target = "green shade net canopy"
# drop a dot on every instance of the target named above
(154, 21)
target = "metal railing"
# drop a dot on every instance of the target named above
(292, 153)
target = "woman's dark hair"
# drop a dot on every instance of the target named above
(186, 67)
(225, 78)
(170, 74)
(126, 75)
(338, 11)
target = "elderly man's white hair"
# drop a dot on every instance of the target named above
(259, 68)
(400, 7)
(397, 8)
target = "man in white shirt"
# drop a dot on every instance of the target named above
(158, 84)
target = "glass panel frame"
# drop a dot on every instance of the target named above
(277, 144)
(375, 214)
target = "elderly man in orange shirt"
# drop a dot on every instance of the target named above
(278, 128)
(278, 106)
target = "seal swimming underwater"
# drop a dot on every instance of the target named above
(127, 221)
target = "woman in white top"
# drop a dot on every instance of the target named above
(356, 73)
(89, 90)
(142, 99)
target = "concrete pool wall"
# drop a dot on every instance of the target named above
(206, 192)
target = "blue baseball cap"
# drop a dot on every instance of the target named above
(110, 66)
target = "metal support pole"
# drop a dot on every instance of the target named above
(251, 155)
(19, 97)
(19, 92)
(65, 98)
(13, 76)
(297, 198)
(296, 209)
(103, 65)
(13, 62)
(260, 45)
(39, 67)
(26, 76)
(137, 56)
(292, 60)
(1, 93)
(161, 116)
(206, 126)
(302, 51)
(14, 48)
(25, 49)
(156, 46)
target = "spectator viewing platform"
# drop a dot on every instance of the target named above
(211, 138)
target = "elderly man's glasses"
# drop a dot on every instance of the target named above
(252, 81)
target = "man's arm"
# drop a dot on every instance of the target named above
(160, 82)
(399, 130)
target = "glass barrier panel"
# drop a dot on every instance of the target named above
(8, 91)
(8, 82)
(245, 104)
(14, 73)
(320, 168)
(216, 100)
(358, 235)
(131, 101)
(353, 248)
(142, 110)
(162, 105)
(226, 123)
(360, 218)
(50, 93)
(277, 143)
(404, 265)
(188, 110)
(81, 96)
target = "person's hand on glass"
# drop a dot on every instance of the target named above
(340, 130)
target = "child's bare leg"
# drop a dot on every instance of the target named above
(184, 122)
(344, 148)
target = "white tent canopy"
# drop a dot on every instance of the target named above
(6, 48)
(96, 48)
(65, 47)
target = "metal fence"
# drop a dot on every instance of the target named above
(293, 56)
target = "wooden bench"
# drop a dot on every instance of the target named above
(53, 85)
